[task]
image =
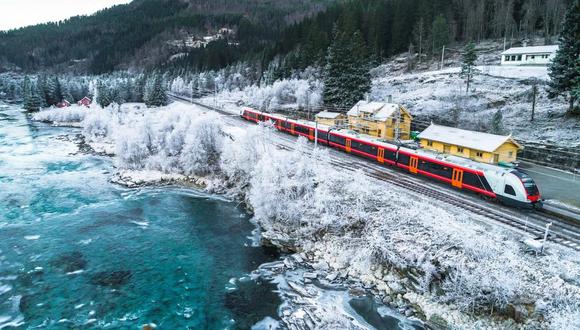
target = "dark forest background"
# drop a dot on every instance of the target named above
(296, 34)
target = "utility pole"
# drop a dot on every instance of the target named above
(316, 135)
(504, 41)
(534, 94)
(545, 236)
(215, 95)
(398, 125)
(442, 57)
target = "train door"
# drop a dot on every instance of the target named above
(292, 129)
(381, 155)
(311, 134)
(457, 178)
(348, 145)
(413, 164)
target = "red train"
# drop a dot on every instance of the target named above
(510, 186)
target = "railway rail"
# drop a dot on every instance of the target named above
(564, 232)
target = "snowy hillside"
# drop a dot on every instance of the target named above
(435, 95)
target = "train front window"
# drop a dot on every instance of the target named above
(528, 182)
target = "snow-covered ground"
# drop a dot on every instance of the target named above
(450, 264)
(441, 96)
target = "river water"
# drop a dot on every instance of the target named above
(79, 252)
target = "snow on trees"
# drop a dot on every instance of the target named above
(156, 95)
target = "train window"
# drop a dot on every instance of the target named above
(322, 135)
(368, 149)
(404, 159)
(474, 180)
(301, 129)
(509, 190)
(435, 168)
(337, 139)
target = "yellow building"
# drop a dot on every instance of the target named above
(481, 147)
(331, 118)
(383, 120)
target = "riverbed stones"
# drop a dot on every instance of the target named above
(70, 262)
(409, 312)
(518, 313)
(321, 265)
(111, 278)
(310, 275)
(332, 276)
(436, 322)
(387, 300)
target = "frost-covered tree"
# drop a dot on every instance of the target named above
(157, 96)
(30, 95)
(203, 147)
(497, 123)
(53, 90)
(104, 98)
(564, 70)
(468, 58)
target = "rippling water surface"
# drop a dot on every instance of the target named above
(79, 252)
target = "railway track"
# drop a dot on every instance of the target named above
(562, 232)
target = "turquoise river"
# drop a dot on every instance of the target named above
(77, 252)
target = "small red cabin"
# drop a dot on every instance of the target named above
(86, 101)
(63, 104)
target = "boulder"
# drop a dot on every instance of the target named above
(310, 275)
(436, 322)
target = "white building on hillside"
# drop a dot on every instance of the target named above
(536, 55)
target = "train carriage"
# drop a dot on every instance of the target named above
(510, 186)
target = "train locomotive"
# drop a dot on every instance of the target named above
(507, 185)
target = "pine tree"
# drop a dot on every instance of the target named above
(66, 93)
(103, 95)
(468, 58)
(419, 36)
(347, 76)
(32, 100)
(497, 123)
(564, 70)
(157, 97)
(42, 90)
(440, 34)
(27, 94)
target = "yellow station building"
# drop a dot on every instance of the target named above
(380, 119)
(481, 147)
